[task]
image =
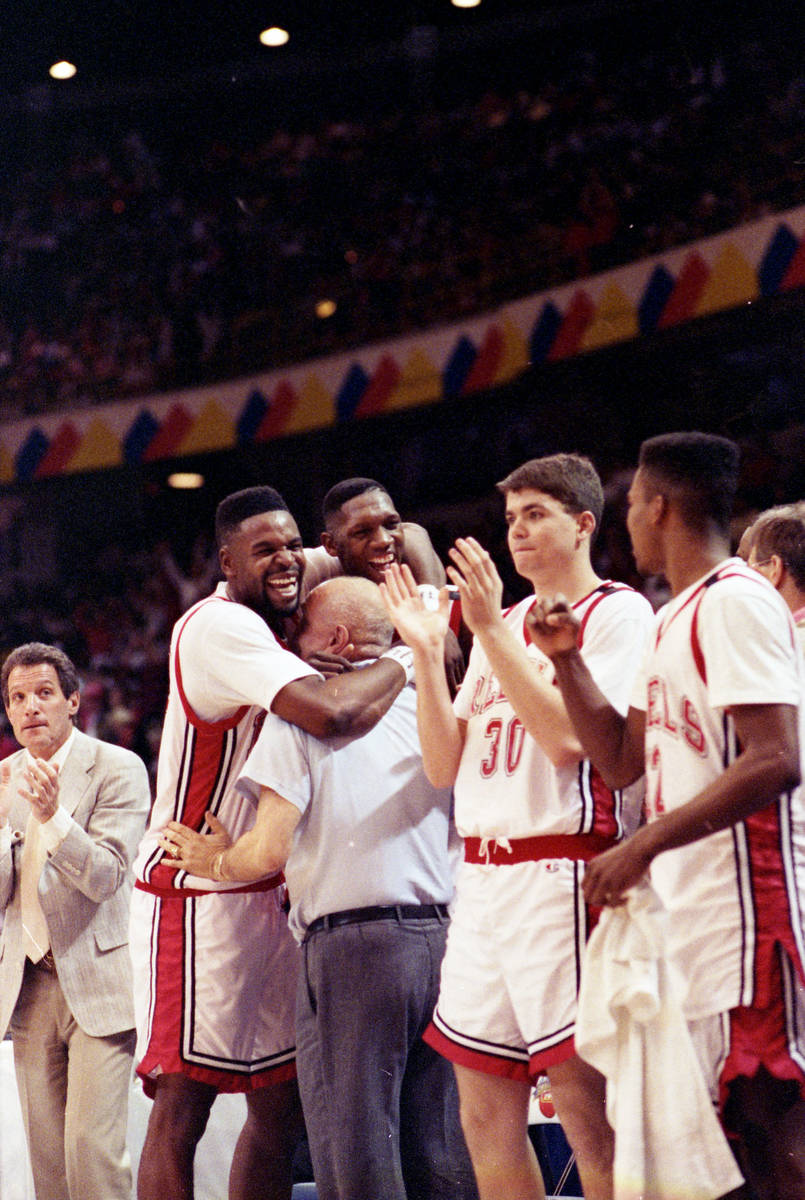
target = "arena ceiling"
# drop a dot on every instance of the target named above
(133, 39)
(121, 42)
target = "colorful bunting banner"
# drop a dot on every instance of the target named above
(760, 259)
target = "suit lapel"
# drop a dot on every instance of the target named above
(76, 774)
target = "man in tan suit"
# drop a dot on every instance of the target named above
(72, 811)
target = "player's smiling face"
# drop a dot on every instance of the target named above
(263, 562)
(367, 535)
(543, 536)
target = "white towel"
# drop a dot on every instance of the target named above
(669, 1144)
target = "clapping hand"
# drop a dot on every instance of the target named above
(40, 787)
(478, 583)
(419, 627)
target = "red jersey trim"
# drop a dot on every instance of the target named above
(192, 717)
(578, 847)
(490, 1063)
(605, 589)
(697, 596)
(163, 1053)
(183, 893)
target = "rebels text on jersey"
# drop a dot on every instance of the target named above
(724, 642)
(506, 786)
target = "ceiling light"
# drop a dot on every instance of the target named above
(62, 70)
(274, 36)
(185, 480)
(325, 308)
(466, 3)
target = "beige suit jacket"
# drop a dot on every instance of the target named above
(85, 886)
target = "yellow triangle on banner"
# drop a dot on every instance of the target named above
(314, 408)
(615, 320)
(98, 448)
(7, 471)
(213, 429)
(732, 282)
(420, 383)
(515, 357)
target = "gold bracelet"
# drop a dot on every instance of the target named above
(217, 867)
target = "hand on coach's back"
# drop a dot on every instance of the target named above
(330, 664)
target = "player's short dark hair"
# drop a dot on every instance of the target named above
(239, 506)
(781, 531)
(700, 469)
(346, 490)
(34, 654)
(569, 478)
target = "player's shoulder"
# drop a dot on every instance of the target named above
(108, 754)
(218, 616)
(733, 573)
(611, 604)
(320, 566)
(205, 611)
(612, 594)
(734, 583)
(517, 611)
(514, 616)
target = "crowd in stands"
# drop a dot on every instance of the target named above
(116, 628)
(155, 258)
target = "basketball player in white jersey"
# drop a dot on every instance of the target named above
(717, 719)
(215, 965)
(532, 814)
(363, 535)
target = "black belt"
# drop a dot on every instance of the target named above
(379, 912)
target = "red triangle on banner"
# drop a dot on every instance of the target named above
(168, 438)
(578, 316)
(280, 407)
(385, 379)
(690, 283)
(61, 449)
(485, 368)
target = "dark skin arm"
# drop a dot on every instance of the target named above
(426, 567)
(767, 766)
(350, 703)
(423, 560)
(454, 664)
(616, 744)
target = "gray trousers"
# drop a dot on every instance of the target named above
(381, 1107)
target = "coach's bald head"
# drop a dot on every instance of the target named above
(344, 616)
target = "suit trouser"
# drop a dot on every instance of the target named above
(74, 1092)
